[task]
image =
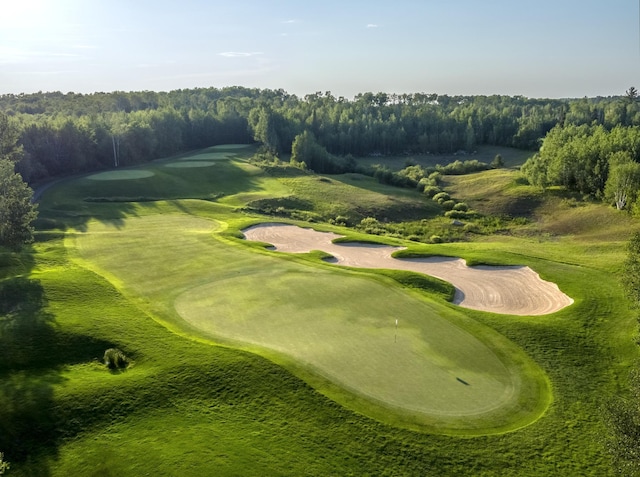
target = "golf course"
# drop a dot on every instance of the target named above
(291, 344)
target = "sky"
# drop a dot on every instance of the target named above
(534, 48)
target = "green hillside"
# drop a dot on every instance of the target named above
(240, 358)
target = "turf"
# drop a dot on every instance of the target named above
(352, 197)
(187, 407)
(127, 174)
(324, 321)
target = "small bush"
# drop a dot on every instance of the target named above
(448, 204)
(436, 239)
(4, 465)
(340, 220)
(466, 167)
(461, 206)
(440, 197)
(115, 359)
(431, 191)
(471, 228)
(435, 177)
(456, 214)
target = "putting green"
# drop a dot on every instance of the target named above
(184, 164)
(231, 146)
(352, 339)
(438, 369)
(208, 156)
(121, 175)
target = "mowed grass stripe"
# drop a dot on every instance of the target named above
(333, 323)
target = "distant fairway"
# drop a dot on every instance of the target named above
(207, 156)
(333, 324)
(126, 174)
(231, 146)
(180, 164)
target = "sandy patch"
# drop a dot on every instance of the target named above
(509, 290)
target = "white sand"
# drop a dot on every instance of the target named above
(509, 290)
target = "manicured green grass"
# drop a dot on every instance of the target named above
(324, 321)
(126, 174)
(186, 407)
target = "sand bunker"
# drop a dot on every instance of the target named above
(509, 290)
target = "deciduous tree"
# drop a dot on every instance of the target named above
(16, 208)
(17, 212)
(623, 181)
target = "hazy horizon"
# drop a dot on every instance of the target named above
(561, 49)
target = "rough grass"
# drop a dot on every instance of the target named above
(495, 192)
(189, 408)
(354, 197)
(511, 157)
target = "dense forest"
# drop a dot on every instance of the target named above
(69, 133)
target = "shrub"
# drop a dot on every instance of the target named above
(435, 239)
(4, 465)
(456, 214)
(371, 225)
(458, 167)
(471, 228)
(115, 359)
(339, 220)
(440, 197)
(435, 177)
(461, 206)
(431, 191)
(369, 222)
(448, 204)
(414, 172)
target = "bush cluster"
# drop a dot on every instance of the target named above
(115, 359)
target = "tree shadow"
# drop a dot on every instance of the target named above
(14, 262)
(72, 203)
(33, 354)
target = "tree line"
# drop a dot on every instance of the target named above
(66, 133)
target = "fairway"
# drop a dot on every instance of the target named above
(333, 324)
(183, 163)
(127, 174)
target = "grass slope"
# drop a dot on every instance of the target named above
(322, 320)
(188, 408)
